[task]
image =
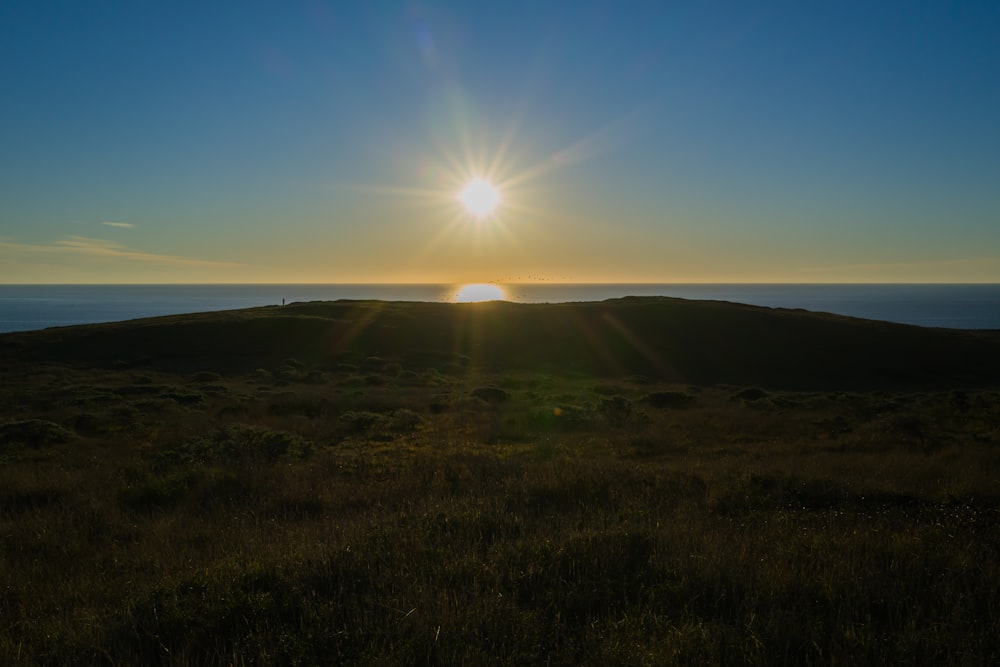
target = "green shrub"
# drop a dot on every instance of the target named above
(617, 410)
(491, 394)
(669, 399)
(405, 420)
(87, 423)
(242, 441)
(373, 364)
(184, 398)
(359, 422)
(34, 433)
(155, 493)
(749, 394)
(238, 442)
(409, 378)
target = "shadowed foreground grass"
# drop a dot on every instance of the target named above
(377, 513)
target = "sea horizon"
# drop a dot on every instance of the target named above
(26, 307)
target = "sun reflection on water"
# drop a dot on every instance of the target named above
(479, 292)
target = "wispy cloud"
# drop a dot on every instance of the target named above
(89, 247)
(121, 225)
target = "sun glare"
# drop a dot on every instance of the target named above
(479, 292)
(480, 197)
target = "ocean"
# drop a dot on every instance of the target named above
(29, 307)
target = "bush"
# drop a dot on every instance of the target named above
(749, 394)
(184, 398)
(87, 423)
(408, 378)
(360, 421)
(154, 494)
(34, 433)
(405, 420)
(373, 364)
(491, 394)
(669, 399)
(239, 442)
(617, 410)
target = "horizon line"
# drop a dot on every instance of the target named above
(497, 282)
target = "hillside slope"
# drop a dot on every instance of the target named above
(696, 342)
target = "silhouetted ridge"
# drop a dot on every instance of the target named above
(698, 342)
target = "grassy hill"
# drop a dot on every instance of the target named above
(632, 482)
(696, 342)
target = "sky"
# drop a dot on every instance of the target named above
(321, 141)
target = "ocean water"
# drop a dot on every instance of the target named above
(28, 307)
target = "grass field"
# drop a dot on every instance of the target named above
(278, 492)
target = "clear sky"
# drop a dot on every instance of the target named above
(669, 141)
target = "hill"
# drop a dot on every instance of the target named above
(664, 339)
(500, 484)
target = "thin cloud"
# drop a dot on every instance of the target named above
(89, 247)
(121, 225)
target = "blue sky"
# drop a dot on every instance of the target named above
(318, 141)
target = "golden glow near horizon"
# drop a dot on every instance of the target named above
(480, 197)
(479, 292)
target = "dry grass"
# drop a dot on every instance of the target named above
(289, 517)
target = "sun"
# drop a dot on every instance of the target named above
(480, 197)
(479, 292)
